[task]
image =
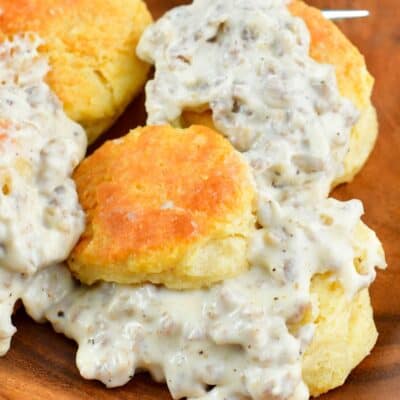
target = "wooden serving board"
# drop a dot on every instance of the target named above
(41, 363)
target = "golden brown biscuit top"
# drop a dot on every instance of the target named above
(159, 189)
(40, 16)
(157, 186)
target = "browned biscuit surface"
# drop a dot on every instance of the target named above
(164, 205)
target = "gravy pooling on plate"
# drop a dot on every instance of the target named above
(40, 216)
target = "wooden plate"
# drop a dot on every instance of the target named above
(41, 363)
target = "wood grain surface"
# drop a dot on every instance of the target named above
(41, 363)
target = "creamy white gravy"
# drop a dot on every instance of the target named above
(248, 61)
(40, 216)
(232, 341)
(38, 292)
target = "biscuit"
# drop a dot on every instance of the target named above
(329, 45)
(90, 45)
(345, 330)
(164, 205)
(345, 334)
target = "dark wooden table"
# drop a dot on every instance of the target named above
(41, 363)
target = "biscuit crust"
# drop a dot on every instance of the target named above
(329, 45)
(91, 47)
(345, 334)
(166, 206)
(345, 331)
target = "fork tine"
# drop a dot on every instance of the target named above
(345, 14)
